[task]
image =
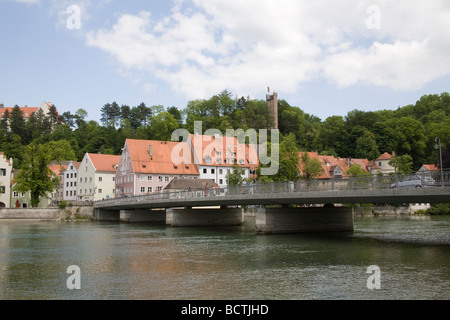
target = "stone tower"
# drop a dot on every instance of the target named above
(272, 105)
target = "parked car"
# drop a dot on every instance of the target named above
(415, 181)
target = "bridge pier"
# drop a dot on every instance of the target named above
(204, 217)
(136, 216)
(302, 220)
(106, 215)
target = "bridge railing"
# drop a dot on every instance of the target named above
(369, 182)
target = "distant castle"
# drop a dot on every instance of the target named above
(272, 105)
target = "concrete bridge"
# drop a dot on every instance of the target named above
(283, 207)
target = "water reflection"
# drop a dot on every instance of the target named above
(122, 261)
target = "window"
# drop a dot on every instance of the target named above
(220, 181)
(159, 189)
(142, 189)
(150, 189)
(220, 171)
(207, 160)
(2, 189)
(160, 178)
(81, 180)
(67, 193)
(205, 171)
(71, 175)
(67, 176)
(90, 179)
(100, 179)
(149, 178)
(142, 178)
(15, 194)
(167, 179)
(213, 171)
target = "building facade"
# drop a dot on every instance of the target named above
(147, 167)
(70, 181)
(5, 181)
(216, 155)
(96, 177)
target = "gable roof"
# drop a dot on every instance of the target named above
(431, 167)
(104, 162)
(385, 156)
(27, 111)
(161, 159)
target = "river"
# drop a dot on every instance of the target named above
(141, 261)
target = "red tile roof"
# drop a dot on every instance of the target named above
(223, 148)
(329, 163)
(431, 167)
(161, 160)
(104, 162)
(27, 111)
(385, 156)
(57, 169)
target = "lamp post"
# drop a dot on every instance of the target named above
(438, 146)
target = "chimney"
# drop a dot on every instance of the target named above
(151, 152)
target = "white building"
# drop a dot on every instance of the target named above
(5, 181)
(215, 156)
(96, 177)
(70, 181)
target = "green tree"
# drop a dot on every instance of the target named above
(402, 164)
(356, 170)
(235, 177)
(311, 168)
(162, 127)
(35, 175)
(289, 160)
(366, 146)
(332, 135)
(17, 123)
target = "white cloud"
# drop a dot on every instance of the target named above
(28, 1)
(206, 46)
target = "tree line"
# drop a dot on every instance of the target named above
(410, 130)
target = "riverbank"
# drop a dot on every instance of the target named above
(78, 213)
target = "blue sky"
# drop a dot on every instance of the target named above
(326, 58)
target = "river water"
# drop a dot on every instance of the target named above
(141, 261)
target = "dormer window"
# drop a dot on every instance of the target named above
(207, 160)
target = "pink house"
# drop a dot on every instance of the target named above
(146, 167)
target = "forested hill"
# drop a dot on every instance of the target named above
(409, 130)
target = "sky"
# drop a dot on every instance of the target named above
(325, 57)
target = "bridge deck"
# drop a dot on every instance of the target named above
(288, 195)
